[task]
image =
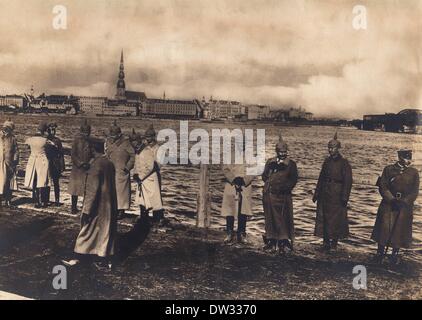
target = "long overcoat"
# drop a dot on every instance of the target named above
(231, 198)
(393, 225)
(147, 168)
(55, 156)
(37, 167)
(279, 180)
(80, 155)
(122, 154)
(99, 211)
(9, 159)
(332, 194)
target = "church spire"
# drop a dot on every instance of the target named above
(121, 86)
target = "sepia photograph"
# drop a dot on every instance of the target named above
(198, 150)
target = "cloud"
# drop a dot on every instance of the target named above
(274, 52)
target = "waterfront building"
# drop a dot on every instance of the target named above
(92, 105)
(257, 112)
(13, 100)
(222, 109)
(166, 108)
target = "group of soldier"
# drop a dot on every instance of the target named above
(398, 186)
(101, 174)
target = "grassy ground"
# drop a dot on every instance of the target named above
(185, 263)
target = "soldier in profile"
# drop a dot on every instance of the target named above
(99, 212)
(399, 188)
(80, 164)
(56, 160)
(9, 158)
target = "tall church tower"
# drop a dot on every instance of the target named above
(121, 86)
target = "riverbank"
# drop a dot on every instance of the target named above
(185, 263)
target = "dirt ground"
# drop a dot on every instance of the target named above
(185, 263)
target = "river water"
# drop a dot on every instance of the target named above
(368, 152)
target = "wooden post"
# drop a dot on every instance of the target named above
(203, 200)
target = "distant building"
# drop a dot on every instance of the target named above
(92, 105)
(53, 104)
(13, 100)
(165, 108)
(132, 99)
(407, 120)
(115, 108)
(309, 116)
(222, 109)
(257, 112)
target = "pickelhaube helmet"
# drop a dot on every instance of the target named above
(281, 145)
(115, 130)
(85, 127)
(9, 124)
(150, 132)
(42, 127)
(334, 142)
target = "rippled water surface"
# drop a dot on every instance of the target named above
(368, 152)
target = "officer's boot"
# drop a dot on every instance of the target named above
(37, 198)
(269, 245)
(144, 212)
(281, 247)
(380, 254)
(45, 196)
(229, 229)
(395, 259)
(241, 228)
(57, 193)
(333, 244)
(326, 244)
(74, 204)
(120, 214)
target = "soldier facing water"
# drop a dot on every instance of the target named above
(120, 152)
(332, 195)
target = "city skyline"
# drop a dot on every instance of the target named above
(272, 52)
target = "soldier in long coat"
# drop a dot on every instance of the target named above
(280, 177)
(9, 159)
(237, 200)
(399, 188)
(99, 212)
(332, 195)
(120, 151)
(55, 156)
(147, 175)
(80, 164)
(37, 173)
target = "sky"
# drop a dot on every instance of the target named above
(274, 52)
